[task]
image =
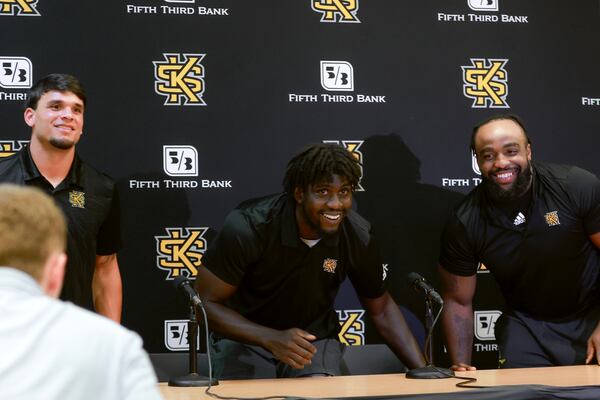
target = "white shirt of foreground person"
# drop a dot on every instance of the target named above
(50, 349)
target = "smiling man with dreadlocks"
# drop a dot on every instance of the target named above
(270, 278)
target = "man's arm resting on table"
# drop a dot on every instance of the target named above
(291, 346)
(392, 326)
(593, 343)
(107, 288)
(457, 317)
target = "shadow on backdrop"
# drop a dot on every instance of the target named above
(407, 219)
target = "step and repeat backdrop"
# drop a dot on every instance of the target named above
(196, 105)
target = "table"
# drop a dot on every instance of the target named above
(389, 384)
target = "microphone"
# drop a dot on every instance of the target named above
(430, 371)
(183, 283)
(421, 285)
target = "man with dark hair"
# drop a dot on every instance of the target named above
(270, 278)
(51, 349)
(54, 111)
(536, 227)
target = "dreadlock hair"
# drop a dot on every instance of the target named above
(320, 162)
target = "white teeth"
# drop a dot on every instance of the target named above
(505, 175)
(332, 217)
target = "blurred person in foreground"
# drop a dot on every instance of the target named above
(50, 349)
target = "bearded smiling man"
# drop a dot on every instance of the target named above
(270, 278)
(54, 110)
(536, 227)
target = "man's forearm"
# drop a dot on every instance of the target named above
(231, 324)
(107, 288)
(457, 321)
(391, 325)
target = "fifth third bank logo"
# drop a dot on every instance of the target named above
(485, 321)
(15, 72)
(337, 76)
(180, 160)
(483, 5)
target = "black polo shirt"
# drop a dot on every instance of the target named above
(89, 201)
(283, 283)
(546, 266)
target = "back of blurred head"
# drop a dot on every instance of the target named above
(33, 236)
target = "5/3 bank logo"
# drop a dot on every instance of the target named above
(483, 5)
(485, 321)
(337, 10)
(337, 76)
(352, 331)
(180, 79)
(15, 72)
(474, 164)
(180, 160)
(19, 8)
(176, 335)
(180, 251)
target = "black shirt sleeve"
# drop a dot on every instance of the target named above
(457, 255)
(234, 249)
(109, 235)
(366, 272)
(585, 187)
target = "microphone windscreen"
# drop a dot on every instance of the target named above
(413, 277)
(179, 280)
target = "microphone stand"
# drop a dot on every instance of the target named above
(430, 371)
(193, 379)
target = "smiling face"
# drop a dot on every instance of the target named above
(321, 208)
(504, 155)
(57, 120)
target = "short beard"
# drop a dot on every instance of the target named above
(517, 190)
(63, 144)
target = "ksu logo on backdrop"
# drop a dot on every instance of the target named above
(180, 161)
(19, 8)
(336, 76)
(482, 11)
(16, 75)
(179, 78)
(180, 251)
(352, 327)
(182, 8)
(353, 146)
(340, 11)
(485, 81)
(10, 147)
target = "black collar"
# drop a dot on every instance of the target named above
(31, 172)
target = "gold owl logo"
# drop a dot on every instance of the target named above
(552, 218)
(77, 199)
(329, 265)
